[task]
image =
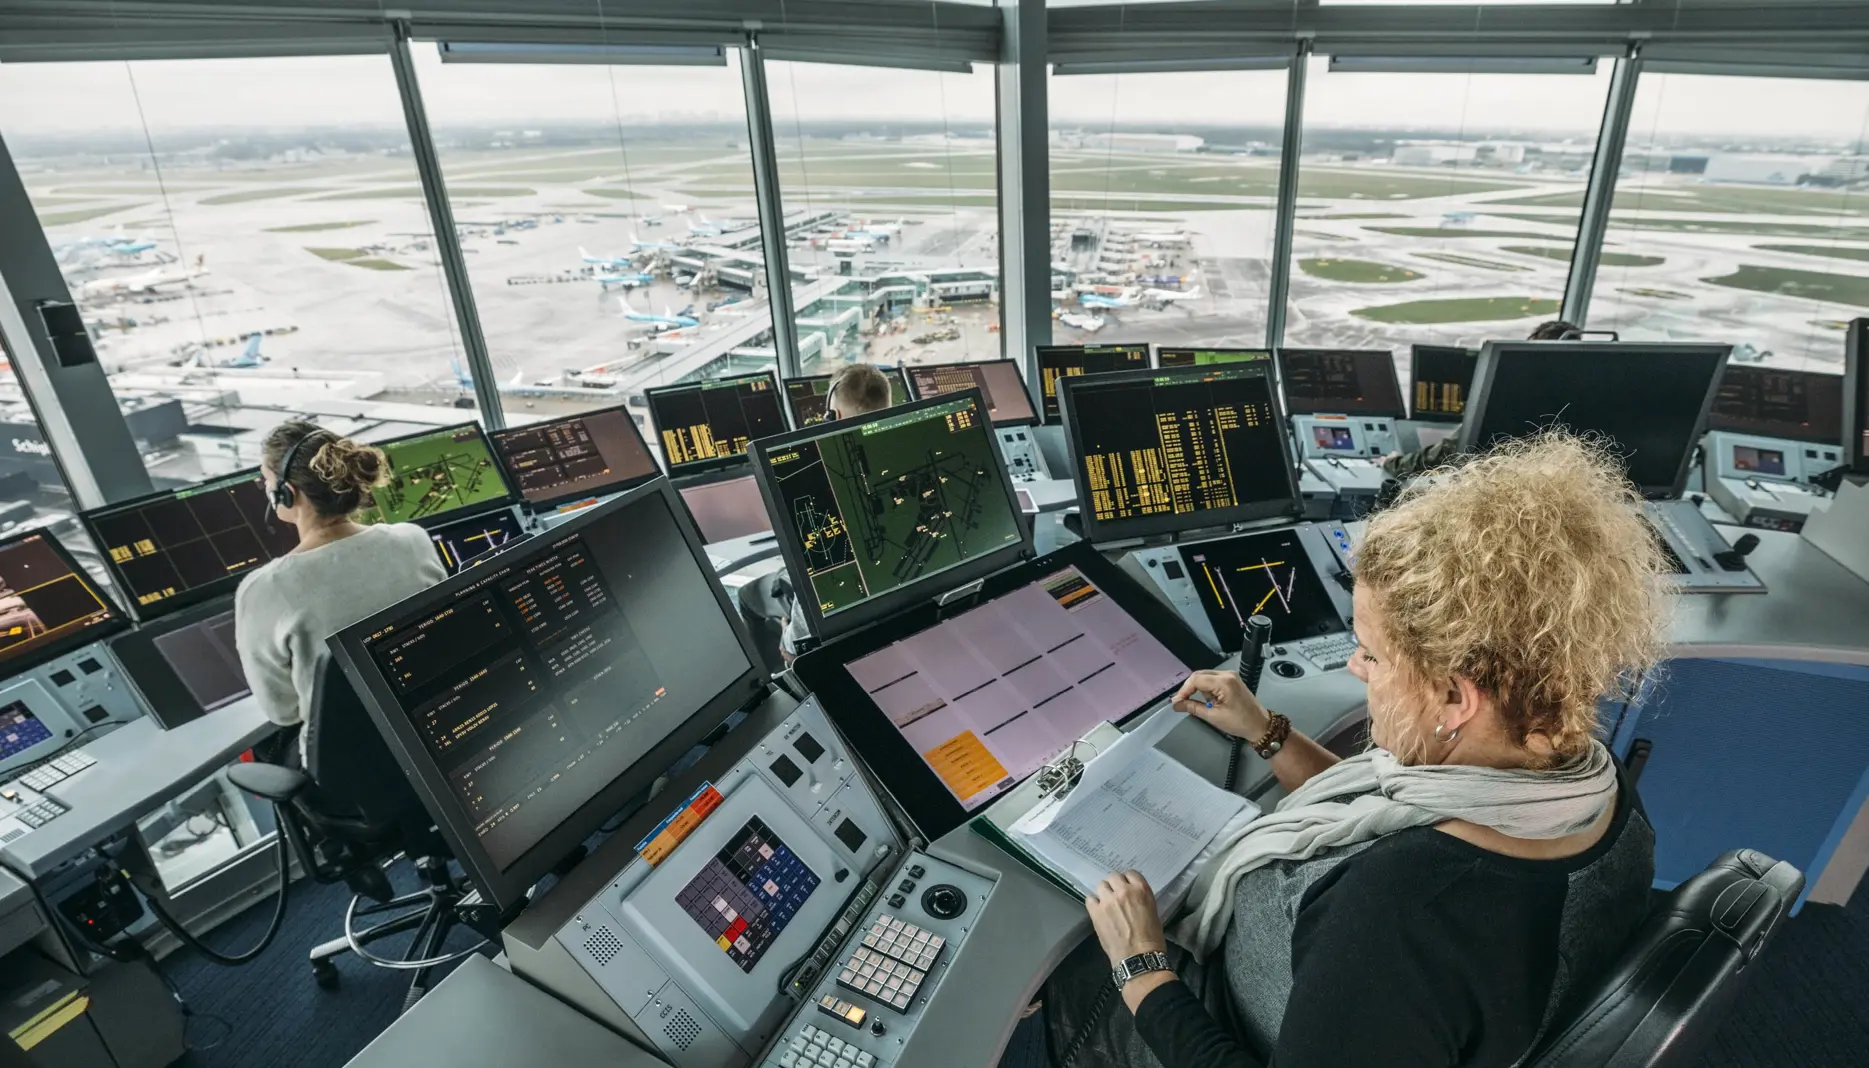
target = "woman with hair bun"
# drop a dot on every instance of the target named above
(341, 571)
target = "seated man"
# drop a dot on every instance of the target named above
(1410, 464)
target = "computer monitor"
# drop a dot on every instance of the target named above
(173, 548)
(529, 698)
(48, 604)
(1443, 380)
(706, 426)
(576, 457)
(809, 396)
(467, 542)
(1171, 450)
(1207, 357)
(1856, 397)
(437, 473)
(878, 512)
(1340, 381)
(727, 508)
(1650, 399)
(999, 381)
(1063, 361)
(186, 664)
(1776, 403)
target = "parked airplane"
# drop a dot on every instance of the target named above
(1090, 324)
(667, 320)
(626, 279)
(640, 245)
(140, 283)
(678, 209)
(1171, 296)
(249, 357)
(614, 263)
(706, 229)
(1158, 238)
(1098, 300)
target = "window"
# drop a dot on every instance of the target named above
(33, 492)
(1437, 208)
(608, 222)
(1742, 215)
(890, 183)
(247, 241)
(1163, 197)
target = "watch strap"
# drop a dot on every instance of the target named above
(1140, 964)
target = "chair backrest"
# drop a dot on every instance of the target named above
(1659, 1006)
(764, 605)
(361, 790)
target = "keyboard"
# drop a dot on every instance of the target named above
(56, 770)
(1328, 651)
(892, 963)
(814, 1046)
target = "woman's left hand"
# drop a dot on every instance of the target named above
(1122, 910)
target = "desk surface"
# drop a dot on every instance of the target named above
(1814, 608)
(139, 766)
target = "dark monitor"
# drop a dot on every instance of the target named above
(576, 457)
(1063, 361)
(1207, 357)
(467, 542)
(1171, 450)
(48, 604)
(174, 548)
(1776, 403)
(999, 381)
(1267, 574)
(186, 664)
(728, 508)
(529, 698)
(1650, 399)
(436, 473)
(1340, 381)
(1856, 397)
(874, 513)
(706, 426)
(1443, 380)
(809, 397)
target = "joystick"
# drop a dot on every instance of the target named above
(944, 901)
(1734, 559)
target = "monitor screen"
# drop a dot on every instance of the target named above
(1063, 361)
(1207, 357)
(20, 730)
(1007, 402)
(178, 547)
(575, 457)
(465, 543)
(1340, 382)
(531, 696)
(728, 509)
(704, 426)
(206, 661)
(1443, 377)
(1775, 403)
(809, 397)
(435, 473)
(1260, 574)
(48, 604)
(1650, 399)
(889, 503)
(1162, 451)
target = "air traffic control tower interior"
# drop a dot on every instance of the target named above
(850, 534)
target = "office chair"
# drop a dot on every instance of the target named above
(349, 813)
(1661, 1003)
(764, 605)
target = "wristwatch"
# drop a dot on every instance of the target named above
(1140, 964)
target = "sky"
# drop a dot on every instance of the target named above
(42, 98)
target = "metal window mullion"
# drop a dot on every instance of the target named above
(1291, 143)
(1024, 193)
(1600, 195)
(447, 238)
(771, 205)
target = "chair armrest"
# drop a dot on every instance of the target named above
(268, 781)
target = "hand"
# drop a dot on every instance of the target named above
(1235, 712)
(1122, 910)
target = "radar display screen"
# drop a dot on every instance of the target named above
(1063, 361)
(465, 543)
(810, 396)
(897, 498)
(1007, 403)
(576, 457)
(1442, 377)
(434, 473)
(48, 604)
(1260, 574)
(1340, 382)
(181, 546)
(704, 426)
(1775, 403)
(1207, 357)
(747, 893)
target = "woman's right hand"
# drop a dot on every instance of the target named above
(1235, 710)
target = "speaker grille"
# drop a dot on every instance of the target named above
(602, 945)
(682, 1030)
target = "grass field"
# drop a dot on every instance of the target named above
(1471, 261)
(1454, 232)
(1658, 294)
(1459, 310)
(1357, 215)
(1754, 229)
(1609, 259)
(414, 192)
(1829, 251)
(613, 192)
(1321, 235)
(312, 228)
(374, 263)
(336, 255)
(1361, 272)
(271, 192)
(78, 215)
(1812, 285)
(1738, 200)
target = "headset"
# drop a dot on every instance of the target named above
(283, 493)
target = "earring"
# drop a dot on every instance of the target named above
(1451, 736)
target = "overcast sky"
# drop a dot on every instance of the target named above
(43, 98)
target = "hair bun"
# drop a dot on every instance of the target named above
(347, 467)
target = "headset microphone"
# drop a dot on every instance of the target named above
(283, 494)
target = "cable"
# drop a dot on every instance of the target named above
(231, 960)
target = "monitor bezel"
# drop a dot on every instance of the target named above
(1491, 352)
(1113, 530)
(921, 589)
(167, 697)
(425, 522)
(924, 798)
(1395, 380)
(117, 623)
(1438, 418)
(187, 598)
(791, 413)
(552, 503)
(1782, 431)
(507, 888)
(1266, 354)
(696, 467)
(1855, 405)
(997, 424)
(1045, 416)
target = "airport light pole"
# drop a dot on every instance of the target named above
(1285, 215)
(771, 206)
(1600, 195)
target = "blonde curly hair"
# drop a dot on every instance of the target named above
(1529, 570)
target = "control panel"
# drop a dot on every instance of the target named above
(1750, 458)
(1366, 436)
(1698, 560)
(1355, 485)
(50, 705)
(29, 802)
(863, 1010)
(1024, 461)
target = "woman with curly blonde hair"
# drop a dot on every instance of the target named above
(1436, 899)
